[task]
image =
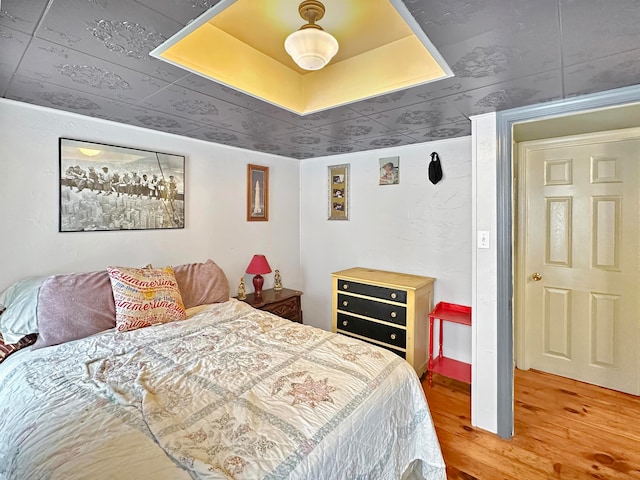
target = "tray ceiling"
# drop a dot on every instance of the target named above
(92, 57)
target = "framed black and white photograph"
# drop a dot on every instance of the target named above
(338, 192)
(389, 171)
(106, 187)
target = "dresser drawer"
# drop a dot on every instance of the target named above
(376, 331)
(395, 295)
(371, 308)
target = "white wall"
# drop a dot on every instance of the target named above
(216, 225)
(414, 227)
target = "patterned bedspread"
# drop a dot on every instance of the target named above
(230, 393)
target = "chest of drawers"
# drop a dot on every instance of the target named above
(388, 309)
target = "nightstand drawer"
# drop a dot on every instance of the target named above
(371, 308)
(285, 303)
(383, 293)
(288, 308)
(376, 331)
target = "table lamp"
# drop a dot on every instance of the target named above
(258, 266)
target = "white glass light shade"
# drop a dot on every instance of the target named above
(311, 48)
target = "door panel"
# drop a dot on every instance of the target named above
(579, 230)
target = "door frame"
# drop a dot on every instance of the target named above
(505, 208)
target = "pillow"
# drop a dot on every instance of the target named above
(74, 306)
(7, 349)
(145, 296)
(201, 283)
(20, 316)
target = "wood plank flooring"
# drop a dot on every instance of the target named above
(564, 429)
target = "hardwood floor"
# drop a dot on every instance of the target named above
(564, 429)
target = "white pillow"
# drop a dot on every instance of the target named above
(21, 302)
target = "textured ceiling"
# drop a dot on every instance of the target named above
(91, 57)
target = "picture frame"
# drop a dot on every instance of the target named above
(257, 193)
(389, 173)
(338, 179)
(106, 187)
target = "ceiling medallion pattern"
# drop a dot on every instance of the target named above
(94, 77)
(339, 149)
(5, 15)
(485, 62)
(385, 142)
(354, 131)
(389, 98)
(457, 12)
(305, 140)
(221, 137)
(58, 51)
(63, 37)
(206, 4)
(130, 39)
(154, 121)
(302, 155)
(195, 107)
(419, 117)
(8, 35)
(444, 132)
(267, 147)
(67, 100)
(259, 126)
(506, 97)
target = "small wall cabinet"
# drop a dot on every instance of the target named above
(388, 309)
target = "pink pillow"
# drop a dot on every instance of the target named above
(145, 296)
(74, 306)
(201, 283)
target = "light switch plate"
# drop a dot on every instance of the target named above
(483, 239)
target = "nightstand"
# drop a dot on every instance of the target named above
(285, 303)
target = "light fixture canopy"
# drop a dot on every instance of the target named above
(311, 47)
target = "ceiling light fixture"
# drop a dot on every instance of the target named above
(311, 47)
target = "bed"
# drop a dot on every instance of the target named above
(227, 392)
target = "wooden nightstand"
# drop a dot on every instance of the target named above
(285, 303)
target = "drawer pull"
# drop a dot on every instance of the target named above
(394, 314)
(393, 336)
(394, 295)
(345, 286)
(345, 323)
(345, 303)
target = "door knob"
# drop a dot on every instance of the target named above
(536, 277)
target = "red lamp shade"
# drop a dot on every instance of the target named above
(258, 266)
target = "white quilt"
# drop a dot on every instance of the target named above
(230, 393)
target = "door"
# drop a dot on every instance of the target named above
(578, 261)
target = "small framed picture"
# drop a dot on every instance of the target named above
(389, 171)
(257, 193)
(338, 178)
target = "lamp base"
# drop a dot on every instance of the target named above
(258, 281)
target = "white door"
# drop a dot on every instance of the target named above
(579, 258)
